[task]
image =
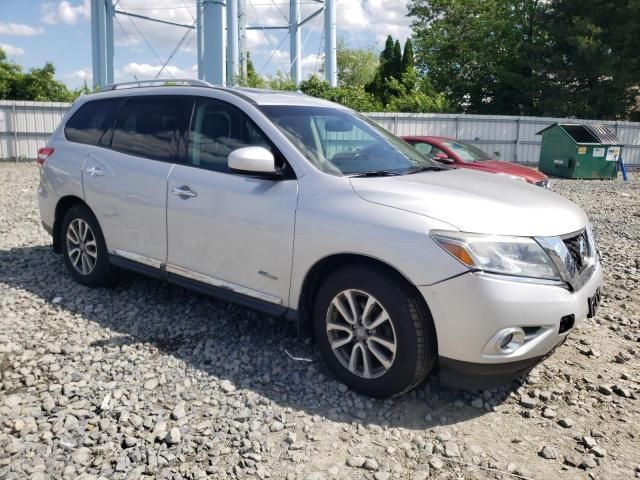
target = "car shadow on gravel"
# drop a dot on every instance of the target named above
(227, 342)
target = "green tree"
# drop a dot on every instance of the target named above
(396, 85)
(396, 63)
(593, 63)
(9, 73)
(280, 81)
(352, 96)
(408, 71)
(485, 56)
(356, 67)
(253, 79)
(407, 57)
(38, 84)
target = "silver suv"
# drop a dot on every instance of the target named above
(305, 210)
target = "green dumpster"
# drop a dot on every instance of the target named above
(579, 151)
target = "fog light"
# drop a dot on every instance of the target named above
(510, 339)
(506, 341)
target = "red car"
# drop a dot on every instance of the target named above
(461, 154)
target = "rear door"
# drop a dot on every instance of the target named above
(228, 229)
(125, 182)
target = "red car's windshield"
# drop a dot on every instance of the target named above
(466, 152)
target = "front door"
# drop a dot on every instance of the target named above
(227, 229)
(125, 180)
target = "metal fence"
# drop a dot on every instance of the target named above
(25, 127)
(508, 138)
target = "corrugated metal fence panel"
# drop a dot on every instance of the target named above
(26, 126)
(507, 137)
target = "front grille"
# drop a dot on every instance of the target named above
(578, 247)
(543, 183)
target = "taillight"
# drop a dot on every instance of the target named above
(43, 154)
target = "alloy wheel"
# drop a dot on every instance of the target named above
(81, 246)
(361, 333)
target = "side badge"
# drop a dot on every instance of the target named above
(264, 274)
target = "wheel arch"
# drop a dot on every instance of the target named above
(325, 267)
(62, 207)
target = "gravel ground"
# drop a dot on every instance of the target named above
(147, 380)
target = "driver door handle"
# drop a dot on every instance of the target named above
(184, 192)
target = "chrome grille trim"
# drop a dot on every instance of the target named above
(574, 269)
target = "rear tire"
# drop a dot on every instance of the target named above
(390, 347)
(84, 249)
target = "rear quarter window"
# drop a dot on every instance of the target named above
(149, 127)
(90, 121)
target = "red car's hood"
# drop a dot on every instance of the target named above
(498, 166)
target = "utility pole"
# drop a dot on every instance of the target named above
(98, 43)
(330, 54)
(242, 19)
(213, 48)
(295, 39)
(199, 47)
(232, 42)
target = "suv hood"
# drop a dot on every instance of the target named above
(476, 202)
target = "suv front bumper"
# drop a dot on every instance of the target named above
(469, 309)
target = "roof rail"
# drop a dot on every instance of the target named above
(159, 82)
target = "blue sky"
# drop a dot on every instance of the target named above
(33, 32)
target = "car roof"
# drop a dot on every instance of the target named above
(255, 96)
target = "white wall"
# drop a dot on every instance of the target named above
(25, 127)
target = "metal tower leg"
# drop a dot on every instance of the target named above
(295, 38)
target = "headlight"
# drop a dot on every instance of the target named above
(518, 256)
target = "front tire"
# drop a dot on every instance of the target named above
(84, 249)
(376, 335)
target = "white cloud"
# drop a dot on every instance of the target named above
(280, 61)
(383, 17)
(259, 39)
(65, 12)
(11, 50)
(19, 29)
(147, 71)
(81, 75)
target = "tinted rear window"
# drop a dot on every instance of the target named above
(90, 121)
(149, 127)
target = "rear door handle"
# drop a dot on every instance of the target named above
(95, 171)
(184, 192)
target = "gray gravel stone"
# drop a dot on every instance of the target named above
(173, 436)
(357, 462)
(548, 453)
(528, 402)
(566, 422)
(451, 449)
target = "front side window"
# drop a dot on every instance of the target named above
(149, 127)
(466, 152)
(90, 121)
(344, 143)
(217, 129)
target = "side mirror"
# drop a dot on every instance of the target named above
(252, 160)
(442, 157)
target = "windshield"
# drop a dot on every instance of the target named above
(342, 142)
(466, 152)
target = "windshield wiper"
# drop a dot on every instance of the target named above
(431, 168)
(375, 173)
